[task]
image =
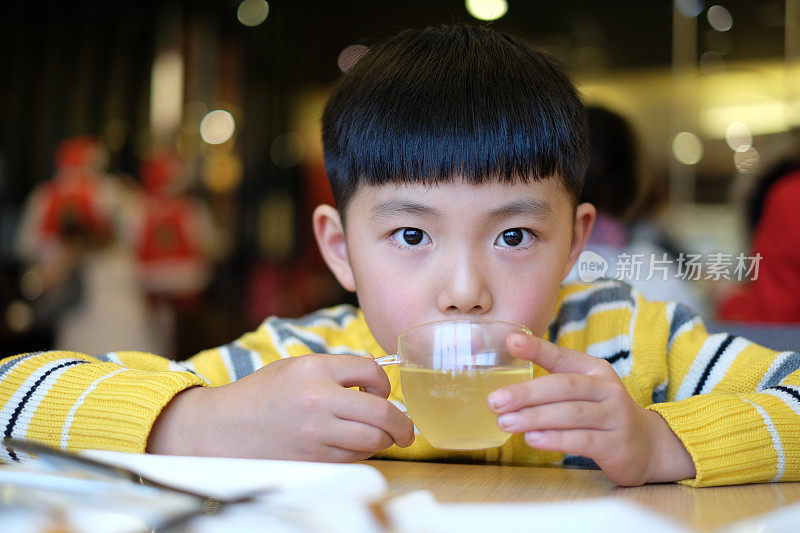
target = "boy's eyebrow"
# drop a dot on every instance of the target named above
(532, 207)
(400, 206)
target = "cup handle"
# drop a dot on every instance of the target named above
(392, 359)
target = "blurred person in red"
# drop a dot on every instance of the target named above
(80, 274)
(174, 235)
(772, 292)
(175, 242)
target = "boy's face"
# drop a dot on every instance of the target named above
(419, 253)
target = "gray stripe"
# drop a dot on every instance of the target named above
(660, 393)
(340, 315)
(287, 330)
(774, 377)
(8, 365)
(680, 316)
(579, 309)
(240, 359)
(313, 345)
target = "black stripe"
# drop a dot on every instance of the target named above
(15, 415)
(722, 347)
(791, 392)
(622, 354)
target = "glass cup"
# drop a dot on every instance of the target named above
(447, 369)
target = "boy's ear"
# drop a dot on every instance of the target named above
(329, 232)
(584, 220)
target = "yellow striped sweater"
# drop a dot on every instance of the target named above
(735, 405)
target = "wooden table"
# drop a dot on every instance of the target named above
(702, 509)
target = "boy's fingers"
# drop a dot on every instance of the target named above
(357, 436)
(551, 388)
(552, 357)
(357, 371)
(587, 442)
(563, 415)
(370, 409)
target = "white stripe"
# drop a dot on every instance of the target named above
(282, 351)
(699, 365)
(686, 327)
(724, 363)
(19, 394)
(6, 457)
(255, 357)
(113, 357)
(788, 399)
(577, 325)
(20, 428)
(776, 439)
(589, 291)
(78, 403)
(610, 347)
(225, 355)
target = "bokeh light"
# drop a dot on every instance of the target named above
(350, 56)
(689, 8)
(746, 161)
(252, 12)
(217, 127)
(687, 148)
(288, 150)
(719, 18)
(19, 316)
(31, 285)
(739, 137)
(487, 9)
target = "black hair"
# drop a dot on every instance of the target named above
(612, 182)
(430, 104)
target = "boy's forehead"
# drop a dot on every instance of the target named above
(547, 194)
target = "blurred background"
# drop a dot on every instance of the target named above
(159, 161)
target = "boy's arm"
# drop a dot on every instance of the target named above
(735, 405)
(300, 407)
(74, 401)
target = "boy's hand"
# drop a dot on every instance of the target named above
(582, 407)
(295, 408)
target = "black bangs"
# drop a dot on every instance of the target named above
(466, 101)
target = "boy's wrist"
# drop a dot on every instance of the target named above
(176, 430)
(670, 460)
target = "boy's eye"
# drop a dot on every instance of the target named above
(411, 236)
(514, 237)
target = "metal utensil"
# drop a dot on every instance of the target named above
(208, 505)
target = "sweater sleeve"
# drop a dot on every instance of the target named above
(74, 401)
(735, 405)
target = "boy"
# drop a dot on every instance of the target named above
(456, 156)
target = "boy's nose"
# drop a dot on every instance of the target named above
(464, 290)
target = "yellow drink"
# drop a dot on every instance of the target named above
(450, 409)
